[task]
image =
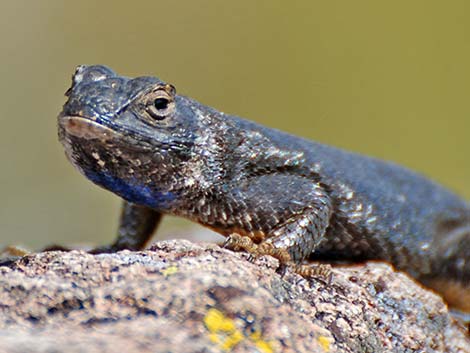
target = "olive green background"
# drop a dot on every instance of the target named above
(386, 78)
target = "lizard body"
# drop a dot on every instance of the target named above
(165, 153)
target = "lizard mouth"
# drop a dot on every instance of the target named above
(87, 129)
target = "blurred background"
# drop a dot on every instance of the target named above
(388, 79)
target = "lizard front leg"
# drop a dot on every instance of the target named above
(291, 213)
(301, 234)
(136, 226)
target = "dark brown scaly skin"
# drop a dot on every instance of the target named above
(283, 195)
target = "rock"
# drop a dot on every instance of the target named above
(184, 297)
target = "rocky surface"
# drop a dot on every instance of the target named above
(183, 297)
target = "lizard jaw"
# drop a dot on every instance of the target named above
(87, 129)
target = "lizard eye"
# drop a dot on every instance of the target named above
(160, 105)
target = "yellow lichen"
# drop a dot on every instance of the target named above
(224, 333)
(258, 340)
(324, 343)
(215, 321)
(222, 329)
(169, 271)
(232, 340)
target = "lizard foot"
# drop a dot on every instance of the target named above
(237, 242)
(97, 250)
(12, 250)
(56, 248)
(105, 249)
(319, 271)
(11, 253)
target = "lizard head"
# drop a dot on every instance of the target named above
(131, 136)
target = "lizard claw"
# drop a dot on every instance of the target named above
(229, 242)
(251, 258)
(237, 242)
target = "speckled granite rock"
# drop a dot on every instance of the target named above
(183, 297)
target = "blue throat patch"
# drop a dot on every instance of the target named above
(132, 191)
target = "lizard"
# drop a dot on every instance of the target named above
(267, 191)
